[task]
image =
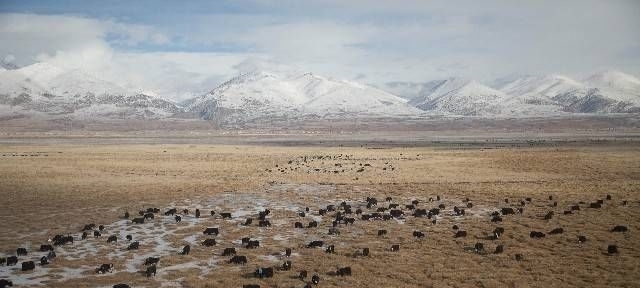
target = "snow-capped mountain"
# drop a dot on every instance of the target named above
(282, 94)
(461, 97)
(539, 90)
(49, 90)
(606, 92)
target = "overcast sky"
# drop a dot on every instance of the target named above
(182, 46)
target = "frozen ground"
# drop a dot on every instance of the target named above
(163, 237)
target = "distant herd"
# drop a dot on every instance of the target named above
(342, 213)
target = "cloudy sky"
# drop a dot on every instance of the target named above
(178, 48)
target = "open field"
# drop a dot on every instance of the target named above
(52, 186)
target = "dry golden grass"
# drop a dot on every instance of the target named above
(62, 187)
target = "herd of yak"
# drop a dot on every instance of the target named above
(344, 213)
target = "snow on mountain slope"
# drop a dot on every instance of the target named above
(606, 92)
(461, 97)
(616, 85)
(539, 89)
(263, 93)
(43, 88)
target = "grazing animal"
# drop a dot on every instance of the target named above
(595, 205)
(245, 240)
(96, 234)
(575, 208)
(151, 270)
(315, 243)
(330, 249)
(297, 225)
(88, 227)
(556, 231)
(126, 215)
(185, 250)
(28, 265)
(612, 249)
(262, 272)
(620, 228)
(209, 242)
(496, 218)
(460, 233)
(264, 223)
(382, 232)
(344, 271)
(567, 212)
(139, 220)
(84, 235)
(134, 246)
(229, 251)
(171, 212)
(286, 266)
(315, 279)
(262, 215)
(395, 247)
(129, 237)
(211, 231)
(250, 286)
(608, 197)
(51, 255)
(365, 251)
(334, 231)
(507, 211)
(121, 285)
(12, 260)
(418, 234)
(312, 224)
(499, 249)
(44, 260)
(112, 238)
(536, 234)
(225, 215)
(5, 283)
(582, 239)
(478, 247)
(104, 268)
(248, 222)
(548, 216)
(151, 261)
(302, 275)
(178, 218)
(287, 252)
(21, 251)
(148, 216)
(238, 259)
(3, 260)
(455, 227)
(45, 248)
(519, 257)
(197, 213)
(253, 244)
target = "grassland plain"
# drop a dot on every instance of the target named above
(57, 188)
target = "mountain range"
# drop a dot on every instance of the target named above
(45, 90)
